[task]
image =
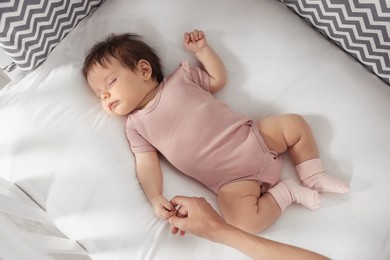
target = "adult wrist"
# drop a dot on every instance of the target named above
(221, 233)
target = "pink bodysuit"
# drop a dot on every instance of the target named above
(200, 135)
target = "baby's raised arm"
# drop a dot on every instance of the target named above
(195, 42)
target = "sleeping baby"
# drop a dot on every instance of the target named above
(177, 116)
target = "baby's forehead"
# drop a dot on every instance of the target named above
(99, 68)
(103, 62)
(99, 64)
(95, 72)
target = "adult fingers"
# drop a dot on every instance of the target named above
(178, 222)
(180, 201)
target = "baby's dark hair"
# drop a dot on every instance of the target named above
(128, 48)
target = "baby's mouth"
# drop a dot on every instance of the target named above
(113, 105)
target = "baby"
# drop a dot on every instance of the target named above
(178, 117)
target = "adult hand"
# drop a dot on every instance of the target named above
(195, 215)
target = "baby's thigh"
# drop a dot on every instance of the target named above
(237, 199)
(278, 130)
(242, 206)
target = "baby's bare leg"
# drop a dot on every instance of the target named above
(242, 206)
(291, 133)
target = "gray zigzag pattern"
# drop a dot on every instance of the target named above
(336, 35)
(20, 40)
(374, 37)
(37, 22)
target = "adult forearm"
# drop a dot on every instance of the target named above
(261, 248)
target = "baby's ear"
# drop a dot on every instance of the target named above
(145, 68)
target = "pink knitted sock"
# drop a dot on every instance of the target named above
(289, 191)
(313, 176)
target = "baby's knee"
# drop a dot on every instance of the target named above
(296, 118)
(298, 121)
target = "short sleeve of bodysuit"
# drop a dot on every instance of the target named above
(199, 76)
(138, 143)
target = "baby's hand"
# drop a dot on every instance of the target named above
(162, 207)
(195, 40)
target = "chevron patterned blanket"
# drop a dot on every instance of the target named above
(360, 27)
(30, 29)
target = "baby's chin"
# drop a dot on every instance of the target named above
(118, 113)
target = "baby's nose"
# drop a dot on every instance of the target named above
(104, 95)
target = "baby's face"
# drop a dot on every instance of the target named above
(120, 90)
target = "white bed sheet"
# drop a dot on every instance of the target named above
(73, 159)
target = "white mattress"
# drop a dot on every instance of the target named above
(73, 159)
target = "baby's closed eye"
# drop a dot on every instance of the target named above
(111, 82)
